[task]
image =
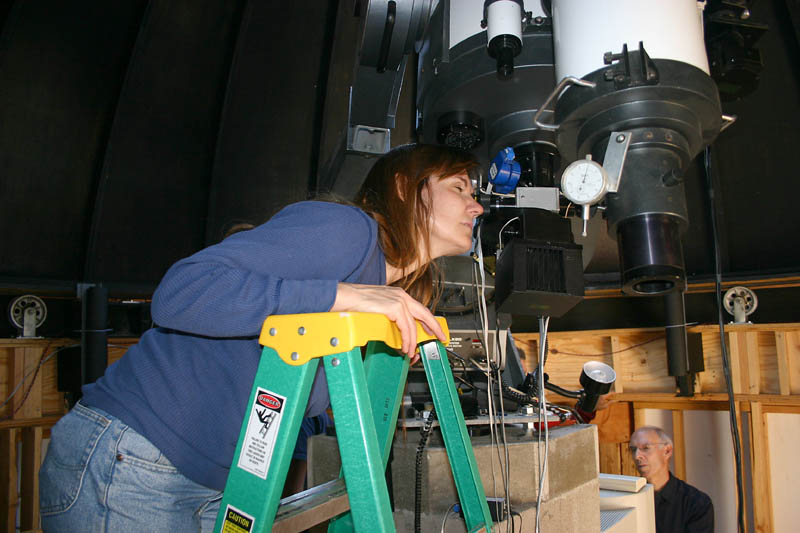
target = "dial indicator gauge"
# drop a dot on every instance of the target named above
(584, 182)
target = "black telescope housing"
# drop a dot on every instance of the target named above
(672, 110)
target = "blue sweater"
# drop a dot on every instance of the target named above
(186, 384)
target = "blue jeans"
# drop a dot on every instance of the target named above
(100, 475)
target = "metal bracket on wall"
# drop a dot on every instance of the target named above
(369, 139)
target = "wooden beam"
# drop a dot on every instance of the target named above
(614, 423)
(628, 464)
(45, 422)
(787, 344)
(744, 406)
(708, 286)
(784, 373)
(679, 448)
(739, 430)
(762, 485)
(738, 365)
(8, 480)
(766, 399)
(785, 409)
(753, 362)
(29, 478)
(794, 361)
(610, 459)
(684, 406)
(616, 358)
(638, 417)
(27, 402)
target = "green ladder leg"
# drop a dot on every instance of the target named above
(456, 439)
(361, 455)
(266, 442)
(386, 373)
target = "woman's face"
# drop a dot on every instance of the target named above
(453, 211)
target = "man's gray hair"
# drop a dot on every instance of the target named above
(662, 435)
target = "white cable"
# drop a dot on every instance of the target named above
(543, 323)
(504, 466)
(485, 313)
(16, 389)
(492, 431)
(488, 191)
(447, 515)
(500, 233)
(484, 317)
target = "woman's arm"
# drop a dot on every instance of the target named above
(291, 264)
(393, 302)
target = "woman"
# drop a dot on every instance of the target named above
(149, 445)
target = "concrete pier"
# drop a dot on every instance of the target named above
(570, 498)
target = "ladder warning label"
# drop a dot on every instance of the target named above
(236, 521)
(262, 431)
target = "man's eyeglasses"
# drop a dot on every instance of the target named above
(647, 448)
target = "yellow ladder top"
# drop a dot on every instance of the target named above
(299, 338)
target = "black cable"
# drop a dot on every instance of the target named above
(575, 394)
(517, 396)
(531, 382)
(737, 449)
(514, 395)
(464, 381)
(572, 410)
(521, 398)
(631, 347)
(423, 440)
(470, 361)
(464, 373)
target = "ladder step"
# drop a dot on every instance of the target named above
(311, 507)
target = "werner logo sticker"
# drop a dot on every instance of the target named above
(262, 431)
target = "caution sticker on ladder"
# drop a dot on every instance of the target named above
(262, 431)
(236, 521)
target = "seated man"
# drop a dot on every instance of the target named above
(679, 506)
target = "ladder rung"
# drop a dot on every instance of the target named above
(311, 507)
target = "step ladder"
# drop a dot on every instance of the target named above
(366, 394)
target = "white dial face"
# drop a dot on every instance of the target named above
(584, 182)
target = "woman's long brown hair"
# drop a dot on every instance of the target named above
(392, 195)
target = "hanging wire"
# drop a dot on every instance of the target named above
(506, 473)
(543, 324)
(631, 347)
(492, 367)
(500, 233)
(737, 447)
(42, 360)
(484, 335)
(450, 510)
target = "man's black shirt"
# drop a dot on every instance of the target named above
(682, 508)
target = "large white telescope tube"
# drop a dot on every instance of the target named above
(583, 30)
